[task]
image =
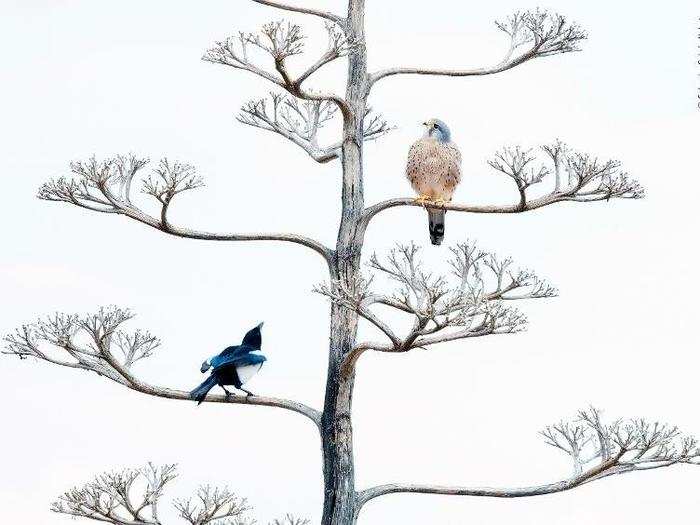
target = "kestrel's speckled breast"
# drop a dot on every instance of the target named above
(434, 168)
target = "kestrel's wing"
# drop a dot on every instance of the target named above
(451, 169)
(421, 164)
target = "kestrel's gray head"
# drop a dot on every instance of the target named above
(437, 129)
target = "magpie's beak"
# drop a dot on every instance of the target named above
(259, 327)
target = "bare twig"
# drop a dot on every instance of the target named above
(211, 505)
(532, 34)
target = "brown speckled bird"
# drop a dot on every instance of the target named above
(434, 170)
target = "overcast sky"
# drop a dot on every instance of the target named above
(85, 77)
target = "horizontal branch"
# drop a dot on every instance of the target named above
(577, 177)
(617, 448)
(111, 353)
(532, 35)
(303, 10)
(105, 187)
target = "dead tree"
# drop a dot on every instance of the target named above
(472, 300)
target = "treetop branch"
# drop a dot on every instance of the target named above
(597, 450)
(532, 34)
(281, 41)
(98, 343)
(105, 186)
(303, 10)
(574, 176)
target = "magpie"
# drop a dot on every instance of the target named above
(234, 366)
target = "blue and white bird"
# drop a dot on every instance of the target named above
(234, 366)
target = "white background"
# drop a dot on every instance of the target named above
(88, 77)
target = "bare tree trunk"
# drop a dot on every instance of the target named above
(340, 502)
(336, 424)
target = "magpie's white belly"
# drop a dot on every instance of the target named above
(246, 372)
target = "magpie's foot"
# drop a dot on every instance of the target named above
(248, 393)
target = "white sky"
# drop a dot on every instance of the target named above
(84, 77)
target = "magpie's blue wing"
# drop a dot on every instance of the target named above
(230, 352)
(245, 359)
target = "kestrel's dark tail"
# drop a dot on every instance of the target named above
(436, 225)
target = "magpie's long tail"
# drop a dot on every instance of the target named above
(199, 393)
(436, 225)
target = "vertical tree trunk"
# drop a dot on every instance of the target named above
(339, 506)
(336, 424)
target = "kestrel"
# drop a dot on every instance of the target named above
(434, 170)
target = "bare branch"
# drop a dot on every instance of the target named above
(375, 126)
(597, 451)
(105, 186)
(338, 46)
(170, 179)
(323, 14)
(97, 343)
(588, 179)
(295, 121)
(129, 496)
(280, 41)
(467, 303)
(532, 34)
(300, 122)
(514, 162)
(132, 497)
(211, 505)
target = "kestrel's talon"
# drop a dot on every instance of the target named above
(422, 199)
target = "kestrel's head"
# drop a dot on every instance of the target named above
(437, 129)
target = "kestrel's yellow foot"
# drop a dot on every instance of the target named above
(440, 202)
(422, 199)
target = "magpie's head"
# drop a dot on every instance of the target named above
(205, 366)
